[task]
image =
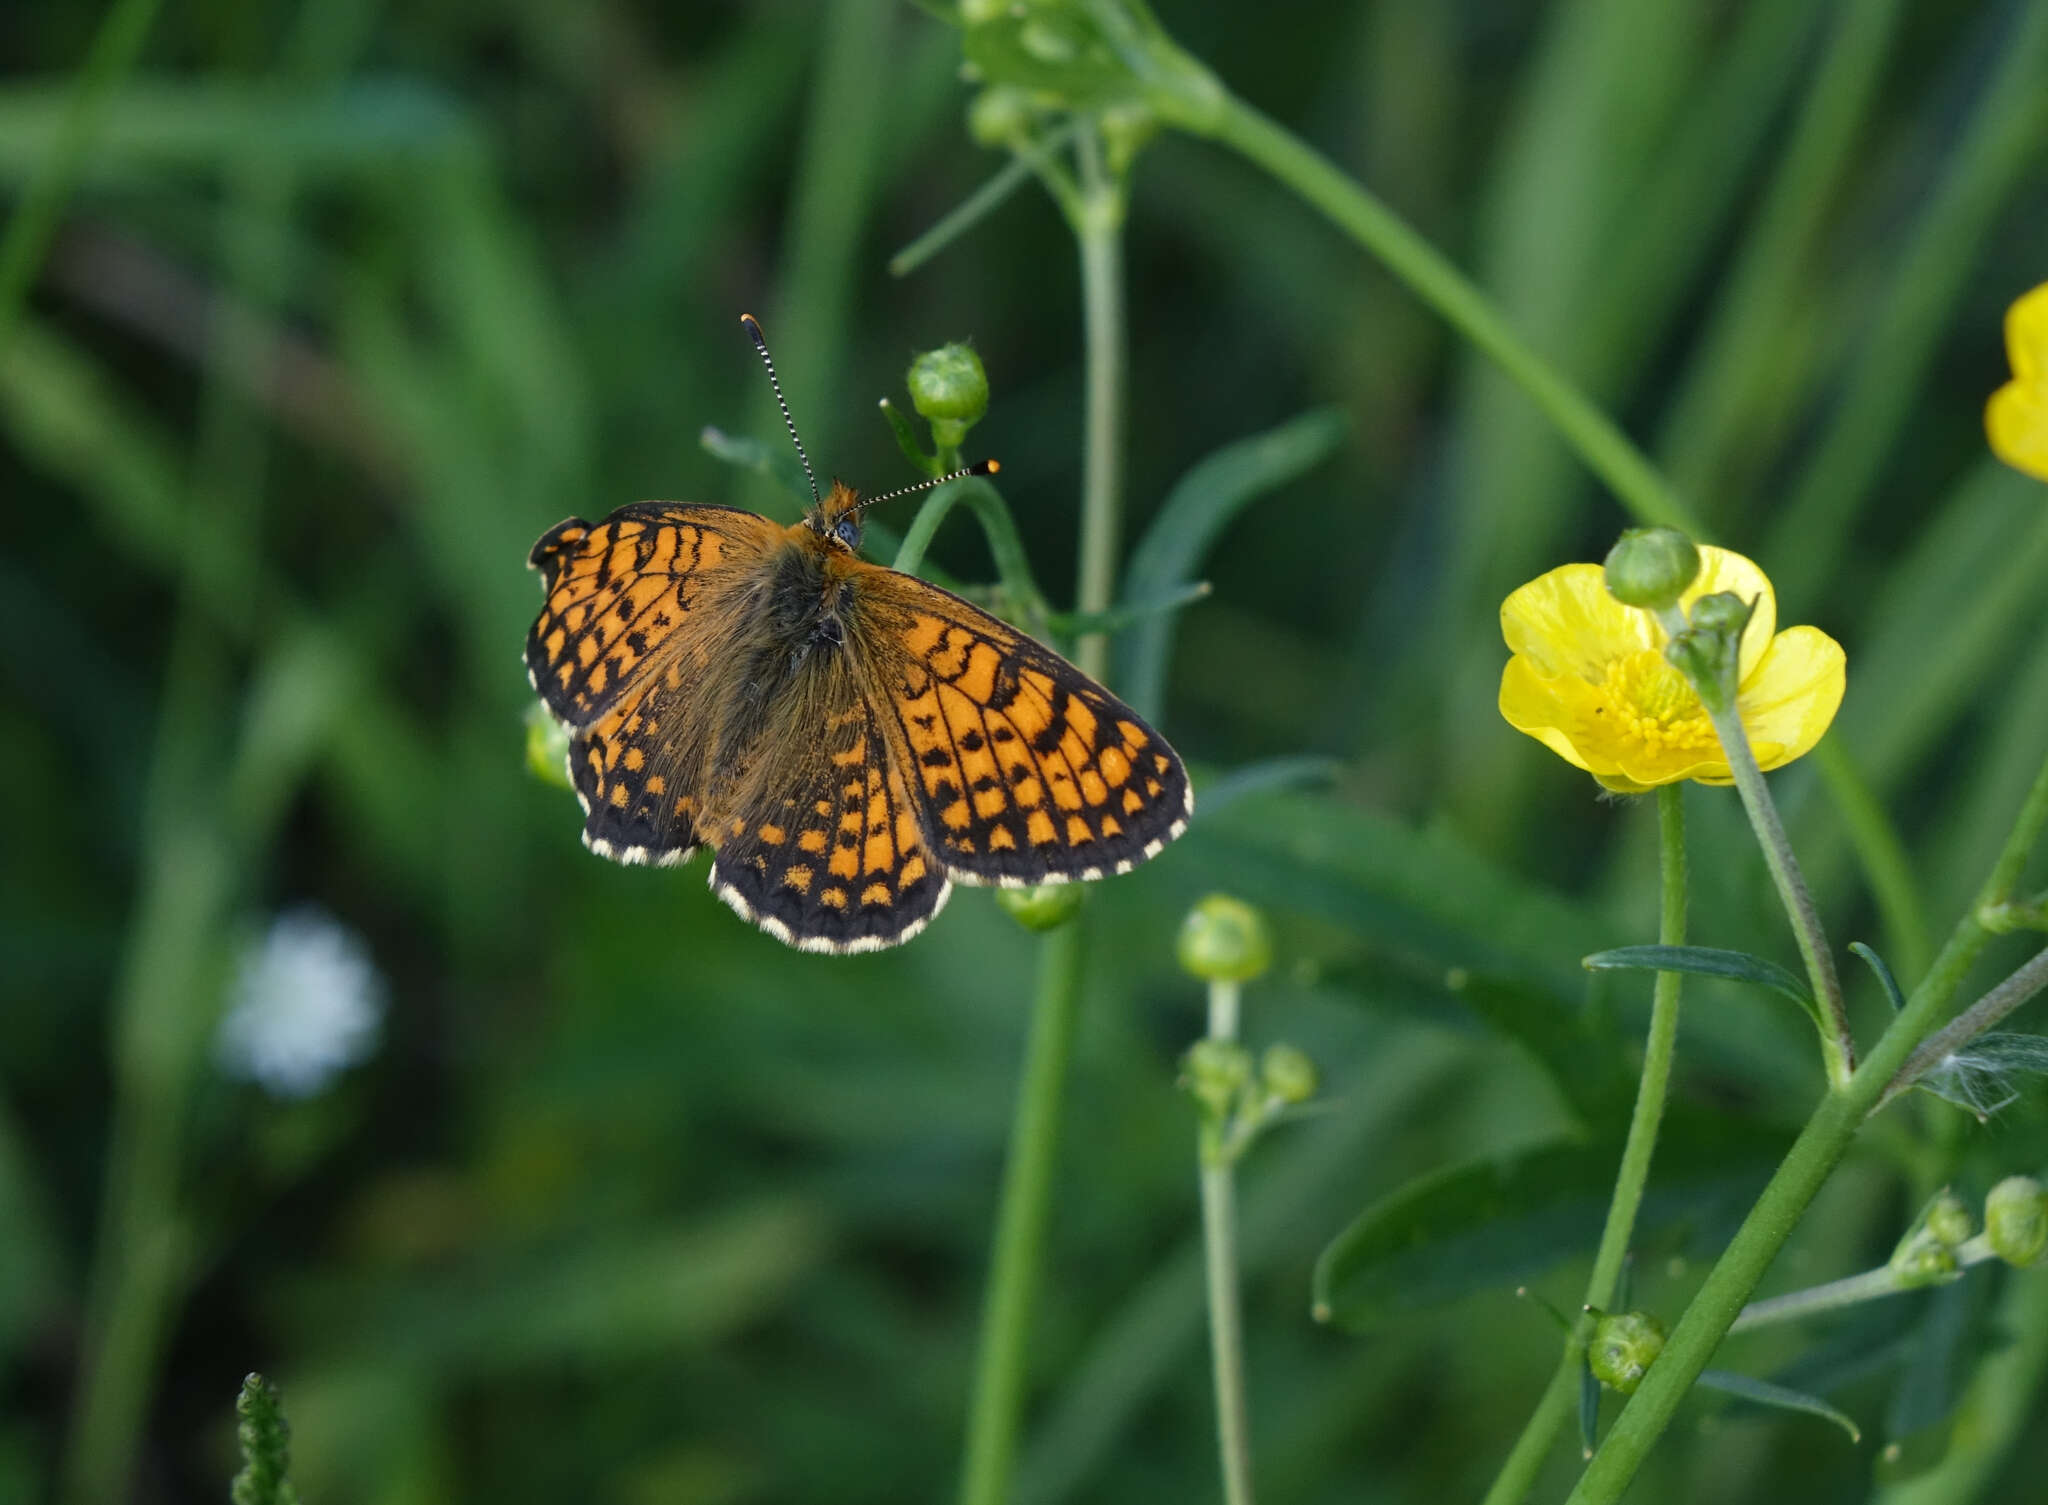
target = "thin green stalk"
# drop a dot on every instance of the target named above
(1805, 1168)
(1219, 1248)
(1005, 544)
(1850, 1290)
(1526, 1458)
(997, 1402)
(1606, 451)
(1099, 227)
(33, 224)
(1837, 1044)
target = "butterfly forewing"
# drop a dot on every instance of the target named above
(1028, 770)
(635, 607)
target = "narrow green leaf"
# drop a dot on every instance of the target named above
(957, 221)
(1499, 1222)
(1126, 613)
(1198, 508)
(907, 440)
(1589, 1411)
(1226, 789)
(1889, 983)
(770, 460)
(1707, 961)
(1778, 1397)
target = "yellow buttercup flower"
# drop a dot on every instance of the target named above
(2016, 418)
(1589, 679)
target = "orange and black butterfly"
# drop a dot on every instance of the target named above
(851, 739)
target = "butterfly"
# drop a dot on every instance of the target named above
(851, 739)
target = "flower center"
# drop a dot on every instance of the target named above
(1651, 702)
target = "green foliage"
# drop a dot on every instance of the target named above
(312, 318)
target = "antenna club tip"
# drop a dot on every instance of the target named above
(988, 467)
(753, 327)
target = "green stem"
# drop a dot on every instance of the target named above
(1431, 277)
(1219, 1248)
(1799, 1177)
(998, 1398)
(1005, 545)
(1098, 225)
(33, 224)
(1837, 1044)
(1518, 1474)
(1850, 1290)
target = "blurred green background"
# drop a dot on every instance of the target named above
(349, 302)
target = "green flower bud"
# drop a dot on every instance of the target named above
(1044, 907)
(1622, 1349)
(547, 748)
(1286, 1072)
(1000, 116)
(1651, 567)
(1216, 1072)
(949, 389)
(1224, 940)
(2016, 1220)
(1948, 1219)
(1922, 1260)
(1723, 613)
(1709, 653)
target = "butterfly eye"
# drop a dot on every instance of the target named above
(848, 532)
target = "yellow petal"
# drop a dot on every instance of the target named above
(2026, 335)
(2016, 422)
(1562, 712)
(1793, 696)
(1723, 570)
(1564, 622)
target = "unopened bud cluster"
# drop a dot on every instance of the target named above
(1927, 1254)
(1224, 941)
(1653, 568)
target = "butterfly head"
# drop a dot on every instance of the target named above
(836, 518)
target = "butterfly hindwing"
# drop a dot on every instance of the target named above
(828, 854)
(1028, 771)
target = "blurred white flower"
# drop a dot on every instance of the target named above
(307, 1002)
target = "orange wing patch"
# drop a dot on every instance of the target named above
(619, 591)
(1030, 771)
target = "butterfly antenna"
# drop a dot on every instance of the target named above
(761, 344)
(978, 468)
